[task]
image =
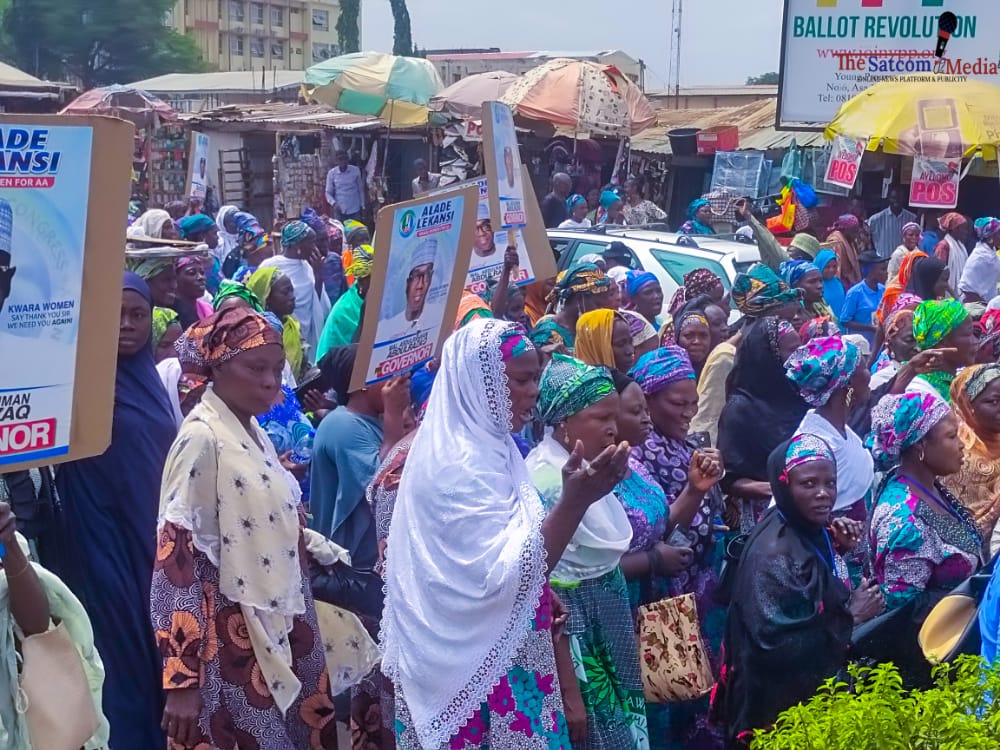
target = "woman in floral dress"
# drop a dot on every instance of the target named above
(233, 615)
(467, 629)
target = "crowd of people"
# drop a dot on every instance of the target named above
(499, 518)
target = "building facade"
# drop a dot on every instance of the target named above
(235, 35)
(454, 65)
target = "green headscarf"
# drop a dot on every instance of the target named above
(760, 292)
(935, 320)
(228, 289)
(568, 386)
(148, 268)
(162, 318)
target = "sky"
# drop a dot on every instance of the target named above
(722, 42)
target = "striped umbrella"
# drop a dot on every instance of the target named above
(588, 97)
(395, 89)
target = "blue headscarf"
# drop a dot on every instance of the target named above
(574, 200)
(693, 225)
(636, 280)
(659, 368)
(192, 225)
(793, 270)
(833, 289)
(608, 199)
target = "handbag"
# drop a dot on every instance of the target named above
(952, 627)
(54, 695)
(358, 590)
(673, 659)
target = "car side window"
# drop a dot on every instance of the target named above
(679, 264)
(559, 246)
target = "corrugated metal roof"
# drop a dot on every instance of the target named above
(237, 81)
(284, 116)
(731, 90)
(12, 79)
(755, 121)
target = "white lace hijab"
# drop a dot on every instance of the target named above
(465, 565)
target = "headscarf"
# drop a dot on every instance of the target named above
(845, 222)
(793, 270)
(337, 367)
(534, 301)
(657, 369)
(260, 284)
(593, 338)
(568, 386)
(935, 320)
(314, 221)
(229, 289)
(351, 229)
(637, 280)
(822, 367)
(192, 225)
(898, 321)
(989, 324)
(162, 318)
(362, 262)
(970, 384)
(574, 200)
(759, 292)
(295, 233)
(608, 199)
(148, 268)
(900, 286)
(227, 334)
(150, 224)
(823, 259)
(514, 342)
(582, 278)
(470, 307)
(461, 599)
(952, 221)
(640, 328)
(924, 276)
(901, 421)
(696, 226)
(986, 227)
(908, 226)
(804, 449)
(697, 282)
(797, 451)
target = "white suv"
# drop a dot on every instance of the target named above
(667, 255)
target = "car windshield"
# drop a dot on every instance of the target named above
(678, 264)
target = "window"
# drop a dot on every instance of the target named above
(277, 16)
(256, 47)
(236, 10)
(298, 50)
(321, 20)
(677, 264)
(257, 13)
(278, 50)
(322, 52)
(236, 45)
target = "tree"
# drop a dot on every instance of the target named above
(765, 79)
(97, 42)
(402, 36)
(348, 31)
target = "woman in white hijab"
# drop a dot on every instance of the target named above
(467, 627)
(155, 223)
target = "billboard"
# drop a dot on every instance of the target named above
(832, 50)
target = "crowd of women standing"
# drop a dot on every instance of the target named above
(580, 451)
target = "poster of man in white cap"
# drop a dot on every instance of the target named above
(422, 251)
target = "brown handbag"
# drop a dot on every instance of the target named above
(55, 696)
(672, 655)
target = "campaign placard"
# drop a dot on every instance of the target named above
(502, 158)
(56, 316)
(935, 182)
(422, 250)
(199, 165)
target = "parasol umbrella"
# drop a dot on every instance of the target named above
(464, 99)
(929, 116)
(395, 89)
(589, 97)
(135, 105)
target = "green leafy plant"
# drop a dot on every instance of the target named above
(874, 712)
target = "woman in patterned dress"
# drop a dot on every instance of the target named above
(234, 618)
(688, 479)
(467, 629)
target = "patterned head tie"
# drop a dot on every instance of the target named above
(568, 386)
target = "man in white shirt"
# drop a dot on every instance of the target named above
(425, 181)
(887, 225)
(345, 189)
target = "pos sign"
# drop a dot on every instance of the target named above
(935, 182)
(845, 161)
